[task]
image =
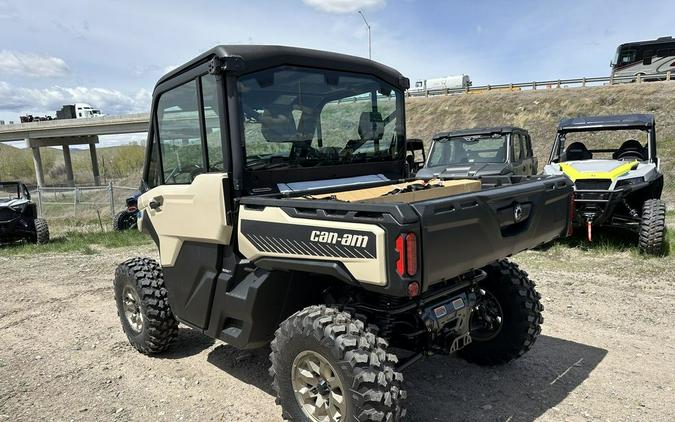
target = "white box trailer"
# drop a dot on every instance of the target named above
(448, 82)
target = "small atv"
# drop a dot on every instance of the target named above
(18, 216)
(622, 190)
(128, 218)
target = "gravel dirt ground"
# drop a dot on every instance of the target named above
(607, 351)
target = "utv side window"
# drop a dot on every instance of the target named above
(212, 123)
(528, 146)
(179, 135)
(517, 147)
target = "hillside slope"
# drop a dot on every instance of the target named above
(540, 112)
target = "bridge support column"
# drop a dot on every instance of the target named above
(37, 161)
(70, 180)
(94, 164)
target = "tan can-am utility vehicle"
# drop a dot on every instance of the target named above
(276, 194)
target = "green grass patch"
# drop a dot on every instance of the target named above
(84, 243)
(609, 240)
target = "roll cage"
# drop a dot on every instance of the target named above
(643, 122)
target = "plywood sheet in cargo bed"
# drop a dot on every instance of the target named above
(379, 194)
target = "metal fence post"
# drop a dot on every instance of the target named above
(112, 200)
(639, 78)
(668, 75)
(40, 209)
(558, 83)
(75, 195)
(583, 81)
(534, 85)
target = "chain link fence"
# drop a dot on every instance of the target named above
(81, 205)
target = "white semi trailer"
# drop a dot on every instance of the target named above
(437, 84)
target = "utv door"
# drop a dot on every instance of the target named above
(187, 212)
(517, 163)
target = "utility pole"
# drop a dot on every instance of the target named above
(370, 51)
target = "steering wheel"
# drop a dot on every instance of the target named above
(193, 170)
(625, 155)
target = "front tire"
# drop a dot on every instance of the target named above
(326, 366)
(124, 220)
(509, 318)
(143, 305)
(653, 227)
(41, 231)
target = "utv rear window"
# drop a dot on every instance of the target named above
(297, 117)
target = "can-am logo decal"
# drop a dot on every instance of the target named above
(346, 239)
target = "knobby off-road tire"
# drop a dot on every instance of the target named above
(41, 231)
(143, 305)
(369, 384)
(652, 239)
(124, 220)
(521, 310)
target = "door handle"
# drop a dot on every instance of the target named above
(156, 202)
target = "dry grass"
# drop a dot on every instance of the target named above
(540, 112)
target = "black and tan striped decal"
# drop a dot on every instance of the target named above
(291, 239)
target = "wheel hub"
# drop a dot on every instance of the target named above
(487, 318)
(317, 387)
(132, 308)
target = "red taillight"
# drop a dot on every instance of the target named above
(400, 260)
(411, 254)
(406, 260)
(570, 223)
(413, 289)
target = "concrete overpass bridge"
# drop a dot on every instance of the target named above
(69, 132)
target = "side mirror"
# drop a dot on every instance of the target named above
(647, 61)
(414, 144)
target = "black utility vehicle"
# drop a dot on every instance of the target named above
(477, 152)
(127, 218)
(278, 202)
(18, 215)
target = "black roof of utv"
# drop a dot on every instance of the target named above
(250, 58)
(621, 121)
(478, 131)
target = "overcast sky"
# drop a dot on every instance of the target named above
(110, 53)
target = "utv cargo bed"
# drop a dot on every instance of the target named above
(458, 232)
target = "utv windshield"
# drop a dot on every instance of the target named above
(9, 191)
(468, 149)
(299, 117)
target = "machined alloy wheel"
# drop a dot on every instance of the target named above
(143, 305)
(132, 308)
(327, 367)
(318, 388)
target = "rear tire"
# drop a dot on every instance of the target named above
(143, 305)
(356, 377)
(653, 227)
(124, 220)
(41, 231)
(521, 319)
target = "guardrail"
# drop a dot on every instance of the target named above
(534, 85)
